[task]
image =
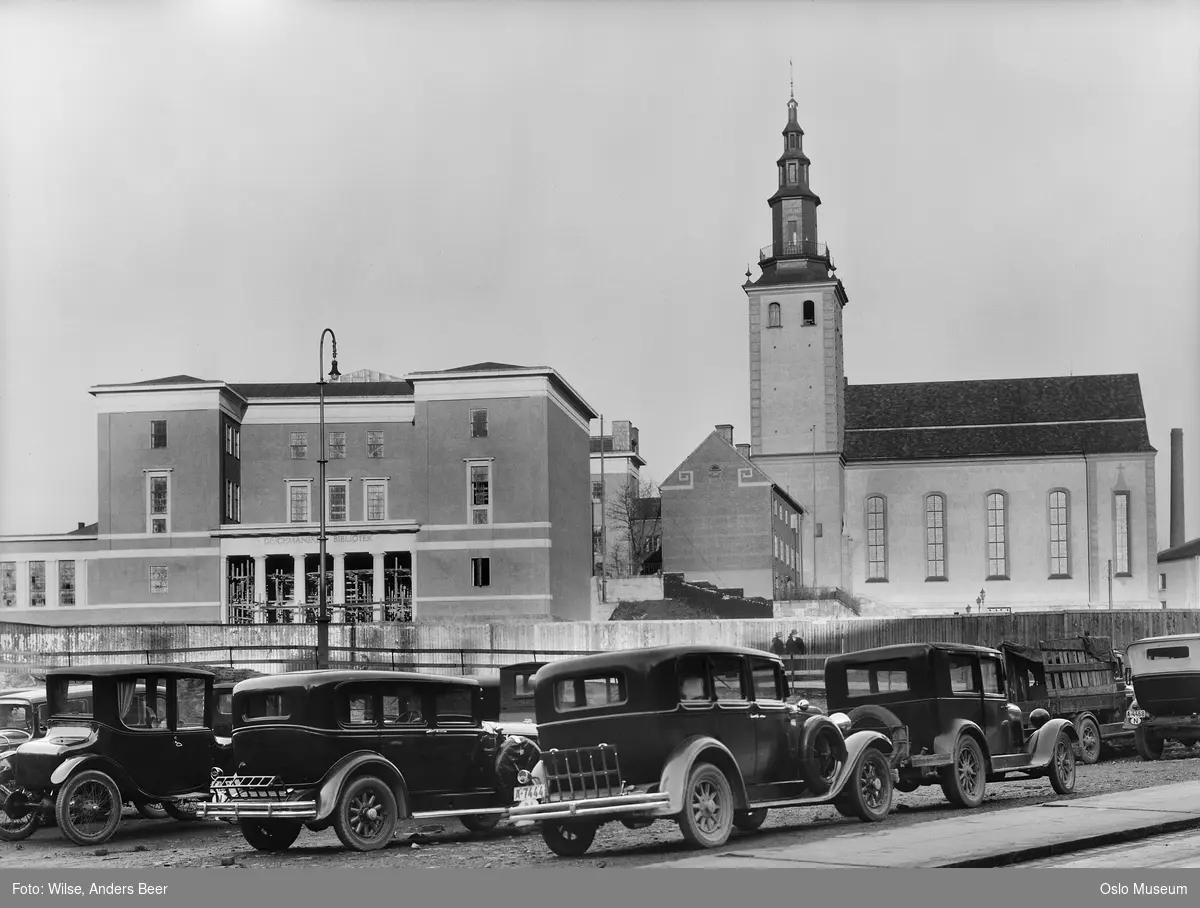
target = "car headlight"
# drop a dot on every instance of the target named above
(842, 721)
(524, 777)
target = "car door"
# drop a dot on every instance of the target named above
(995, 705)
(965, 700)
(141, 741)
(461, 741)
(769, 714)
(732, 722)
(187, 719)
(402, 734)
(357, 704)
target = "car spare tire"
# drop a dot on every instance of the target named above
(516, 753)
(822, 753)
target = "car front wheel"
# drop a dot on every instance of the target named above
(567, 839)
(1062, 765)
(868, 794)
(15, 830)
(964, 780)
(366, 816)
(481, 822)
(270, 835)
(152, 810)
(88, 808)
(707, 818)
(184, 811)
(1089, 740)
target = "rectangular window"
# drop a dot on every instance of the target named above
(337, 502)
(228, 500)
(597, 490)
(481, 572)
(189, 703)
(375, 443)
(297, 502)
(728, 681)
(1060, 566)
(480, 479)
(37, 583)
(158, 578)
(237, 443)
(935, 538)
(228, 438)
(337, 446)
(993, 677)
(402, 705)
(791, 167)
(454, 706)
(962, 675)
(159, 504)
(590, 691)
(1162, 581)
(876, 538)
(997, 540)
(8, 583)
(376, 501)
(358, 708)
(158, 433)
(479, 425)
(267, 705)
(1121, 526)
(66, 583)
(299, 445)
(768, 680)
(237, 502)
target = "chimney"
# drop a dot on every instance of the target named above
(725, 431)
(744, 450)
(82, 524)
(1177, 525)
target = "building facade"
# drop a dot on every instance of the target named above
(451, 494)
(1179, 576)
(1023, 492)
(725, 522)
(619, 535)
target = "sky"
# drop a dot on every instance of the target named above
(1008, 189)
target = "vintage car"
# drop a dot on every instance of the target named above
(699, 735)
(115, 734)
(946, 708)
(1166, 684)
(223, 726)
(362, 751)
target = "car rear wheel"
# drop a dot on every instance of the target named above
(1149, 745)
(15, 830)
(481, 822)
(366, 816)
(1089, 740)
(749, 820)
(152, 810)
(88, 808)
(1062, 765)
(707, 818)
(270, 835)
(964, 780)
(184, 811)
(869, 792)
(567, 839)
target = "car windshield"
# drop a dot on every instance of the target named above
(16, 715)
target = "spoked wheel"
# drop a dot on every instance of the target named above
(481, 822)
(88, 808)
(14, 830)
(869, 792)
(1149, 745)
(567, 839)
(1089, 740)
(749, 820)
(152, 810)
(1062, 765)
(707, 818)
(270, 835)
(184, 811)
(964, 781)
(366, 815)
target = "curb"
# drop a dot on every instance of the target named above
(1036, 852)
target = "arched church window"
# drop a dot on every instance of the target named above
(876, 539)
(1060, 562)
(997, 535)
(935, 536)
(774, 318)
(810, 312)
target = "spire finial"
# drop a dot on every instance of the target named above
(791, 79)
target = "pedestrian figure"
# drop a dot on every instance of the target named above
(777, 644)
(795, 646)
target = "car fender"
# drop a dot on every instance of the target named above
(1040, 746)
(330, 787)
(73, 765)
(690, 751)
(946, 741)
(856, 744)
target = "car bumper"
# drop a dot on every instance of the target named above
(258, 808)
(657, 803)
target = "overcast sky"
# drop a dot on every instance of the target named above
(1009, 190)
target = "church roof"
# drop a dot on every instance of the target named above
(1082, 414)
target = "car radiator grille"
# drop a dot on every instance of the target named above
(582, 772)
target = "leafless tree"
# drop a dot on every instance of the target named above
(634, 528)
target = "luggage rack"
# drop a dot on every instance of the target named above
(569, 772)
(233, 797)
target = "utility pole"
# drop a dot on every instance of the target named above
(814, 506)
(1110, 584)
(603, 527)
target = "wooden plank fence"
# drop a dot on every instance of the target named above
(482, 648)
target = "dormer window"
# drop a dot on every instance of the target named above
(810, 314)
(774, 319)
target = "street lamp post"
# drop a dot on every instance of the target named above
(323, 605)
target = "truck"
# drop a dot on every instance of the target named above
(1078, 678)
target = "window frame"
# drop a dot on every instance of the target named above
(306, 485)
(376, 450)
(809, 312)
(938, 546)
(151, 516)
(1003, 541)
(154, 436)
(481, 571)
(882, 542)
(344, 485)
(774, 315)
(1121, 528)
(472, 508)
(69, 589)
(369, 483)
(8, 584)
(228, 437)
(164, 578)
(1065, 542)
(475, 425)
(33, 588)
(335, 450)
(302, 445)
(237, 442)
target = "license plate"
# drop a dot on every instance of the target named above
(529, 793)
(1137, 714)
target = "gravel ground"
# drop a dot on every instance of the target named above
(159, 843)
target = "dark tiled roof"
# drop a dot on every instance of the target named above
(1085, 414)
(332, 389)
(485, 367)
(1180, 552)
(169, 380)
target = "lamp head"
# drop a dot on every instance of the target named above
(334, 374)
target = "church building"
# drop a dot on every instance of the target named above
(1012, 492)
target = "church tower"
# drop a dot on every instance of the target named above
(797, 379)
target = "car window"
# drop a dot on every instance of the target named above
(692, 674)
(992, 676)
(589, 691)
(962, 675)
(141, 703)
(878, 678)
(189, 702)
(260, 705)
(768, 680)
(16, 715)
(523, 684)
(43, 714)
(727, 679)
(402, 705)
(454, 705)
(225, 704)
(69, 697)
(356, 705)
